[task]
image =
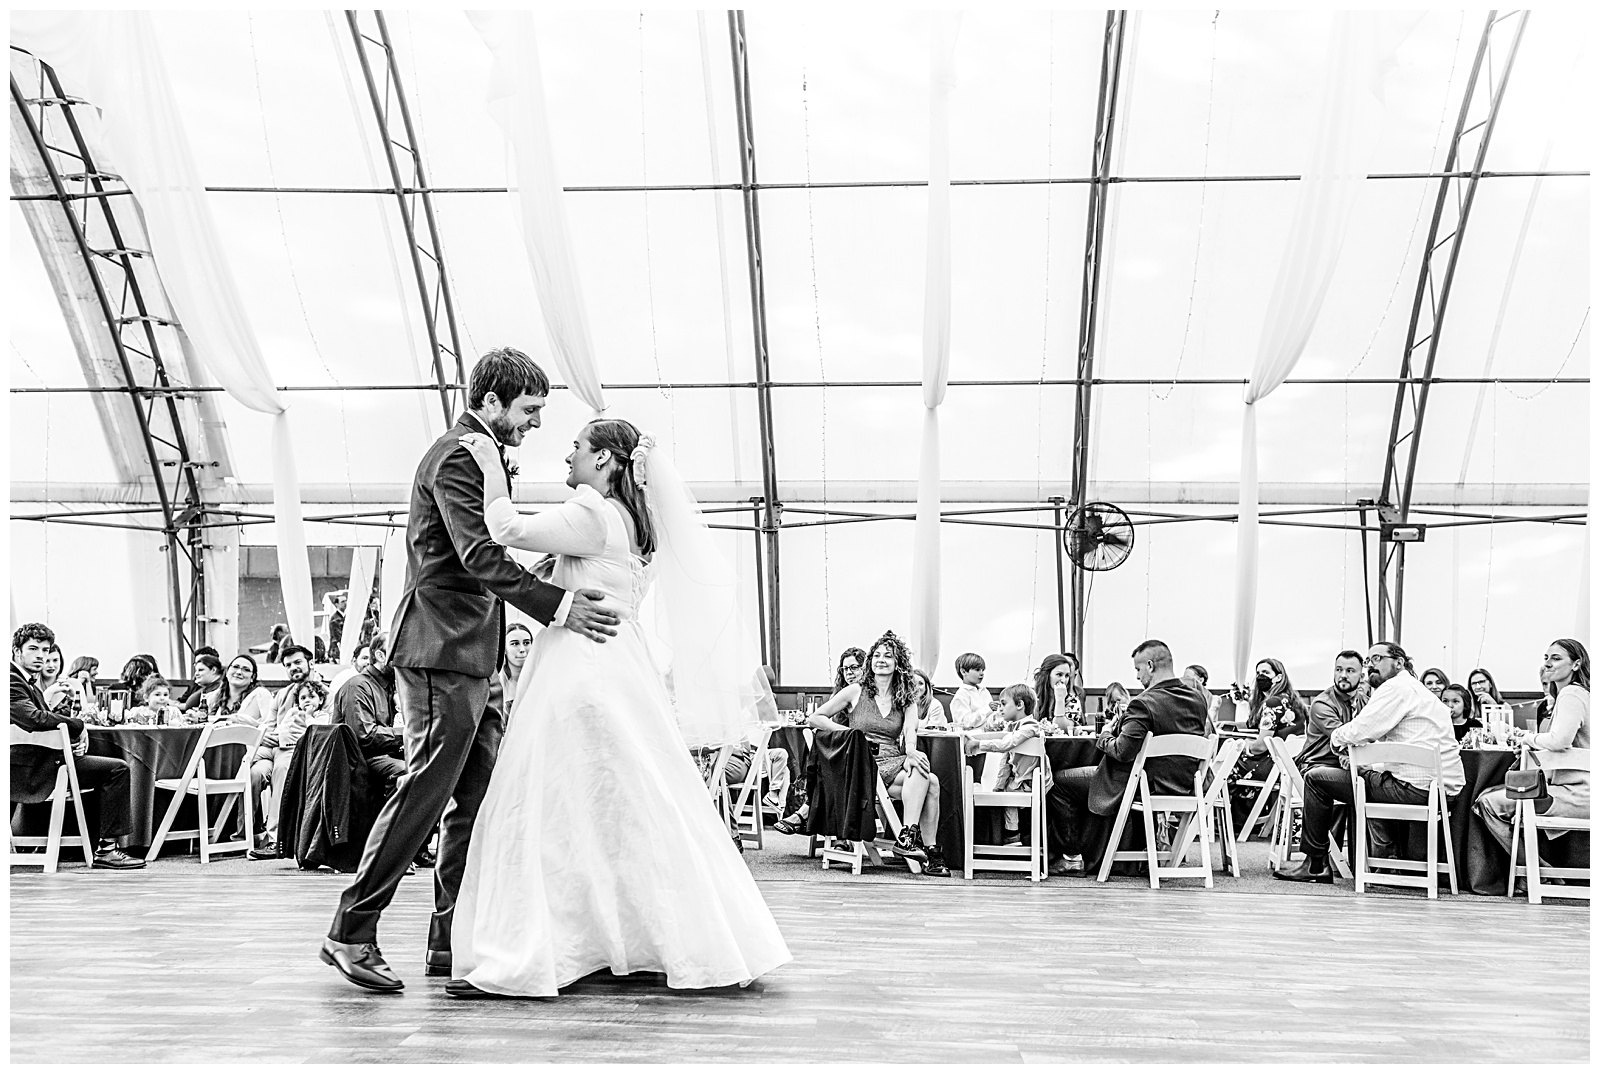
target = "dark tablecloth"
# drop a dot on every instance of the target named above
(945, 758)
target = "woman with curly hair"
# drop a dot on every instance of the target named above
(882, 706)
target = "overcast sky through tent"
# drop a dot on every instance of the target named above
(274, 99)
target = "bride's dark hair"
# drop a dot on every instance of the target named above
(620, 438)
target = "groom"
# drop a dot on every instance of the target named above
(446, 642)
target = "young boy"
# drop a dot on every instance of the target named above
(969, 708)
(1017, 773)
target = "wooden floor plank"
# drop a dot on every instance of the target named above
(179, 966)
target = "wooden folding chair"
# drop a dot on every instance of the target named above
(858, 852)
(66, 790)
(1529, 823)
(1137, 796)
(1221, 806)
(1029, 858)
(195, 781)
(1435, 814)
(1292, 797)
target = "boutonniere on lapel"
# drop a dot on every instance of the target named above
(511, 466)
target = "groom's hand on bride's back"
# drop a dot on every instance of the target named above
(591, 616)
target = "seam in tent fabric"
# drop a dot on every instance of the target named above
(822, 368)
(1044, 342)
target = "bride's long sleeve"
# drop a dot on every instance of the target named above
(576, 528)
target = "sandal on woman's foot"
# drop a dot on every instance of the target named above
(789, 825)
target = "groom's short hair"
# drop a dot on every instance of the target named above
(508, 373)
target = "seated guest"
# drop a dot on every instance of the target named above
(737, 771)
(1463, 715)
(1017, 772)
(33, 768)
(880, 706)
(194, 696)
(156, 706)
(1401, 710)
(308, 700)
(1117, 700)
(1435, 680)
(1198, 677)
(82, 703)
(51, 688)
(1060, 696)
(366, 705)
(851, 663)
(519, 640)
(135, 671)
(1334, 707)
(242, 699)
(1484, 691)
(971, 705)
(1084, 800)
(207, 676)
(362, 658)
(1566, 682)
(1276, 711)
(930, 710)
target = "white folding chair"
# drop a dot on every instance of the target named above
(195, 781)
(1137, 796)
(858, 852)
(1266, 786)
(1220, 805)
(1529, 823)
(991, 857)
(742, 803)
(1435, 814)
(66, 790)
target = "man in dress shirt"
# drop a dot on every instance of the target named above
(1400, 710)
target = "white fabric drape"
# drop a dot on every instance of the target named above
(516, 101)
(392, 584)
(363, 566)
(1349, 122)
(926, 583)
(112, 59)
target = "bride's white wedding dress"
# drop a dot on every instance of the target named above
(597, 845)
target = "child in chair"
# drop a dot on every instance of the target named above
(155, 705)
(1018, 771)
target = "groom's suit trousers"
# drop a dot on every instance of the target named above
(453, 726)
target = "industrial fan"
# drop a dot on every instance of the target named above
(1098, 536)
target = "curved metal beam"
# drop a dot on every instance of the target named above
(1480, 108)
(1089, 312)
(156, 411)
(427, 252)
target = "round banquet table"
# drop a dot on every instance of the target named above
(945, 758)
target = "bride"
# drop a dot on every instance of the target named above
(597, 844)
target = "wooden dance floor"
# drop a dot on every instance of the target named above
(176, 965)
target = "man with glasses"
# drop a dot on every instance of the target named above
(1400, 710)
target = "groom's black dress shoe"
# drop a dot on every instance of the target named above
(362, 965)
(461, 988)
(437, 964)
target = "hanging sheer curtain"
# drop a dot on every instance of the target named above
(926, 583)
(112, 59)
(516, 101)
(1349, 122)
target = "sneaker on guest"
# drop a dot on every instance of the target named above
(908, 844)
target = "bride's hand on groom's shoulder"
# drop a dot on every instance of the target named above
(483, 450)
(591, 617)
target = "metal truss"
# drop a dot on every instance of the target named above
(770, 509)
(414, 197)
(1480, 107)
(115, 252)
(1089, 313)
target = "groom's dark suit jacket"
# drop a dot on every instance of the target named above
(451, 614)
